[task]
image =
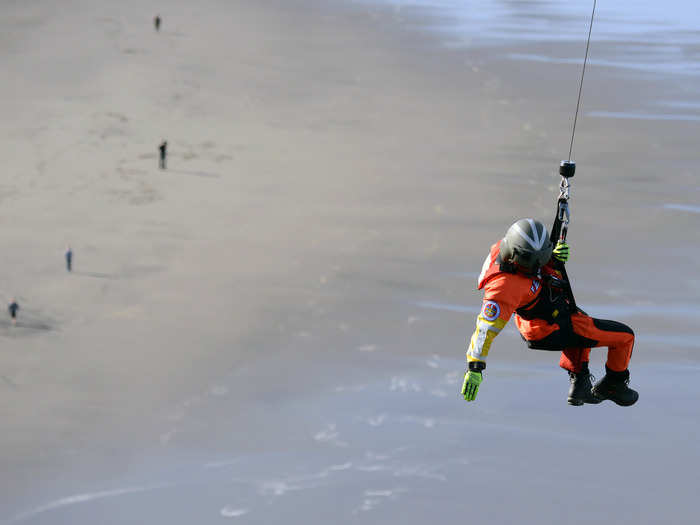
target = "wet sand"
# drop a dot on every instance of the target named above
(274, 326)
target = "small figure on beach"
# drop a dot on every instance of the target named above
(163, 152)
(156, 22)
(69, 258)
(13, 308)
(520, 276)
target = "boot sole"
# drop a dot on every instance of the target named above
(578, 402)
(619, 403)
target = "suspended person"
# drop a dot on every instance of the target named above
(163, 152)
(69, 259)
(519, 277)
(156, 22)
(13, 308)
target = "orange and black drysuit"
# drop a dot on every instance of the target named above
(543, 317)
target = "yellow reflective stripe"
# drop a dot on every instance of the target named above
(482, 337)
(496, 325)
(480, 343)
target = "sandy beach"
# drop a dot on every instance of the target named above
(274, 327)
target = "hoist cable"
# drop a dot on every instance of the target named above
(580, 87)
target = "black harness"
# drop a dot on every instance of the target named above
(552, 306)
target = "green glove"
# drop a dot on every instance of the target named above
(561, 251)
(470, 387)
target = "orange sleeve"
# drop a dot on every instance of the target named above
(503, 294)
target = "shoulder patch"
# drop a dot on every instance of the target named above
(490, 311)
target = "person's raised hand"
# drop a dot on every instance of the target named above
(561, 251)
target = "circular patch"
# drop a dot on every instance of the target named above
(490, 311)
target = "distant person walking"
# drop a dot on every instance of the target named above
(69, 259)
(163, 149)
(156, 22)
(13, 308)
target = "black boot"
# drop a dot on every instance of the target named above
(614, 387)
(580, 390)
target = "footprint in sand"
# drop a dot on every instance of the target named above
(438, 392)
(374, 498)
(403, 384)
(232, 512)
(276, 488)
(376, 421)
(351, 388)
(130, 312)
(452, 378)
(330, 435)
(433, 362)
(343, 466)
(426, 422)
(166, 437)
(218, 390)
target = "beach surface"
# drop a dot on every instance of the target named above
(273, 328)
